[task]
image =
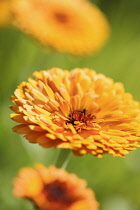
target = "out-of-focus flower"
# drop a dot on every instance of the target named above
(79, 110)
(53, 189)
(5, 11)
(76, 27)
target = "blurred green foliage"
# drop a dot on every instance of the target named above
(115, 180)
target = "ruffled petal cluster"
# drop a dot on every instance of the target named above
(79, 110)
(76, 27)
(53, 189)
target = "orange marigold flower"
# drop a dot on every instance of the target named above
(76, 27)
(5, 11)
(79, 110)
(53, 189)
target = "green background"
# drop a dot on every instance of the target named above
(115, 180)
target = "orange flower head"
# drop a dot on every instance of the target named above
(5, 11)
(53, 189)
(78, 110)
(76, 27)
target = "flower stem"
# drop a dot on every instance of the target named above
(63, 158)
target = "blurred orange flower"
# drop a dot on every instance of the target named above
(80, 110)
(5, 11)
(76, 27)
(53, 189)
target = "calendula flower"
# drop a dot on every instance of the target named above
(76, 27)
(79, 110)
(53, 189)
(5, 11)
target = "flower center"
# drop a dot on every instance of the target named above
(80, 116)
(61, 18)
(56, 192)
